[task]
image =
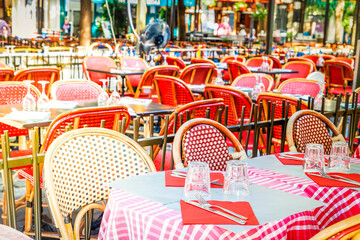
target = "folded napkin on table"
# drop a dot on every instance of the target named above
(62, 104)
(326, 182)
(28, 116)
(171, 181)
(138, 101)
(195, 215)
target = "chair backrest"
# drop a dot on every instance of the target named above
(234, 99)
(98, 48)
(75, 90)
(201, 60)
(50, 74)
(12, 92)
(276, 61)
(172, 91)
(99, 156)
(344, 59)
(249, 80)
(198, 74)
(89, 117)
(338, 73)
(204, 140)
(236, 69)
(98, 63)
(268, 99)
(302, 59)
(175, 61)
(133, 63)
(308, 126)
(232, 58)
(6, 74)
(313, 58)
(317, 76)
(300, 86)
(328, 57)
(303, 68)
(257, 61)
(147, 79)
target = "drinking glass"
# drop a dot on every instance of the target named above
(43, 101)
(314, 158)
(339, 160)
(11, 64)
(236, 182)
(197, 180)
(165, 62)
(115, 98)
(103, 97)
(29, 103)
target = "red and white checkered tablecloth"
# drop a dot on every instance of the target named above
(130, 217)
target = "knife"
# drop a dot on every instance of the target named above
(235, 219)
(337, 179)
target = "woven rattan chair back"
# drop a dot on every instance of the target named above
(12, 92)
(133, 63)
(249, 80)
(338, 73)
(198, 74)
(85, 117)
(313, 58)
(6, 74)
(75, 90)
(99, 156)
(201, 60)
(235, 69)
(172, 91)
(147, 80)
(300, 86)
(98, 63)
(308, 126)
(276, 61)
(204, 140)
(232, 58)
(304, 68)
(257, 61)
(37, 74)
(232, 98)
(302, 59)
(175, 61)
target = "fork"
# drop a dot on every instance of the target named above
(205, 204)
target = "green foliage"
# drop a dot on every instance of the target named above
(260, 12)
(239, 5)
(162, 14)
(209, 3)
(119, 16)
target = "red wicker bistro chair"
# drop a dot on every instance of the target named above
(204, 140)
(175, 61)
(50, 74)
(75, 90)
(99, 156)
(308, 126)
(201, 60)
(338, 74)
(345, 59)
(98, 63)
(313, 58)
(328, 57)
(303, 68)
(235, 100)
(300, 86)
(302, 59)
(147, 79)
(226, 74)
(172, 91)
(249, 80)
(196, 109)
(133, 63)
(78, 118)
(267, 100)
(276, 61)
(257, 61)
(198, 74)
(236, 69)
(6, 74)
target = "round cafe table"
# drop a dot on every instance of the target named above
(8, 233)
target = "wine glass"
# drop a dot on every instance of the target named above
(165, 62)
(29, 103)
(11, 64)
(43, 101)
(115, 98)
(103, 97)
(22, 64)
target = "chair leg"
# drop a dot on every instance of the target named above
(4, 214)
(29, 206)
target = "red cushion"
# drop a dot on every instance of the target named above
(19, 153)
(226, 75)
(158, 158)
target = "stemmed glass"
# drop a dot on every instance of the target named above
(115, 98)
(29, 103)
(43, 101)
(165, 62)
(103, 97)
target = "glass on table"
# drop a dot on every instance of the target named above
(197, 180)
(236, 182)
(43, 101)
(339, 160)
(103, 97)
(314, 160)
(29, 103)
(115, 98)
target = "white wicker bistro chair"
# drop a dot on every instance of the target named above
(77, 166)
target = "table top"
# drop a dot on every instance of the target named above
(140, 110)
(272, 71)
(120, 72)
(278, 204)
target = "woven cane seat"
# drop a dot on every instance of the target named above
(205, 143)
(310, 129)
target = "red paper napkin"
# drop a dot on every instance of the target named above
(289, 161)
(325, 182)
(171, 181)
(195, 215)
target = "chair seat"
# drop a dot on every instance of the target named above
(19, 153)
(337, 91)
(158, 158)
(27, 173)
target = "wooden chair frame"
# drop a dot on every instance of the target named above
(177, 144)
(8, 72)
(344, 65)
(291, 123)
(192, 68)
